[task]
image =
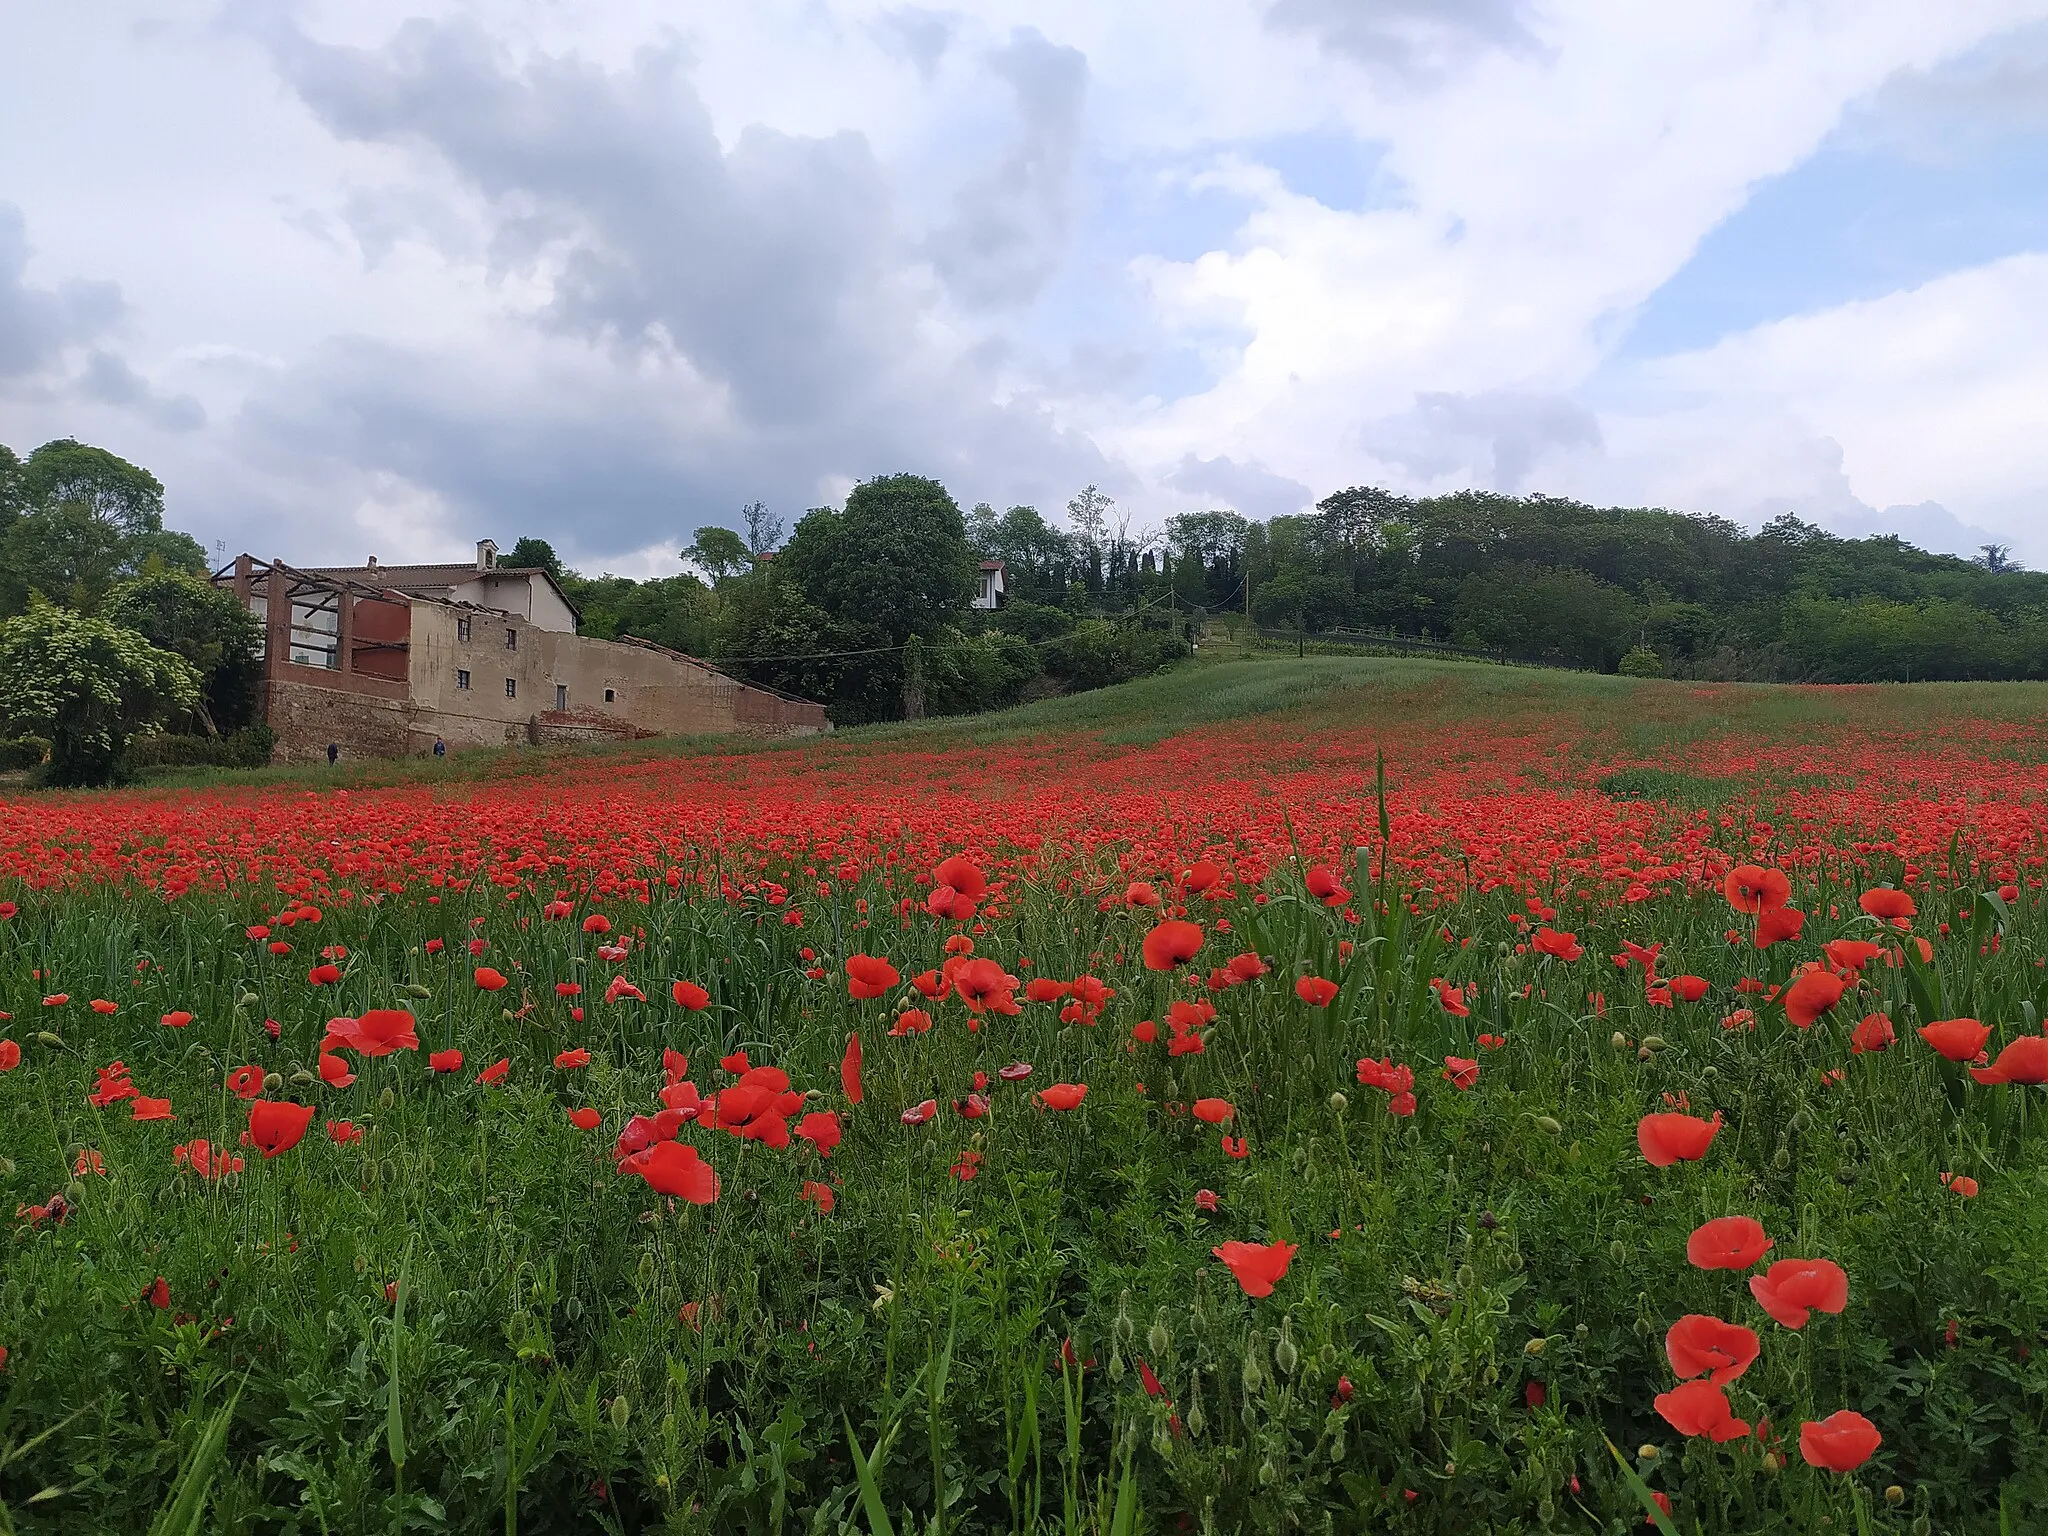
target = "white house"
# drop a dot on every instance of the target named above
(988, 591)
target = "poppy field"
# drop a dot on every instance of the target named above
(1332, 1095)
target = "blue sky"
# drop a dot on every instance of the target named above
(392, 275)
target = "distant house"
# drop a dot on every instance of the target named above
(988, 589)
(384, 660)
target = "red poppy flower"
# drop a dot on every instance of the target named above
(1792, 1289)
(490, 978)
(1727, 1242)
(1957, 1039)
(597, 922)
(849, 1070)
(1043, 989)
(1324, 885)
(1960, 1184)
(1316, 991)
(920, 1114)
(277, 1127)
(1257, 1266)
(1700, 1408)
(176, 1019)
(1562, 946)
(1842, 1441)
(1669, 1138)
(1753, 888)
(911, 1021)
(1015, 1072)
(342, 1132)
(435, 946)
(1705, 1346)
(1688, 989)
(819, 1195)
(962, 874)
(1460, 1072)
(568, 989)
(1139, 893)
(99, 1005)
(1887, 903)
(324, 975)
(1451, 999)
(1173, 943)
(821, 1129)
(1236, 1147)
(1215, 1111)
(2024, 1060)
(445, 1061)
(1850, 954)
(973, 1109)
(142, 1108)
(10, 1055)
(495, 1072)
(574, 1057)
(869, 976)
(1873, 1033)
(691, 996)
(1205, 1200)
(377, 1033)
(736, 1063)
(1812, 995)
(1246, 967)
(675, 1168)
(584, 1118)
(246, 1082)
(334, 1071)
(1063, 1095)
(1777, 925)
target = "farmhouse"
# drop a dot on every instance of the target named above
(383, 660)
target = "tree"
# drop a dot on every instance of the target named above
(88, 686)
(1090, 512)
(534, 554)
(74, 518)
(764, 531)
(66, 472)
(1995, 557)
(719, 553)
(188, 617)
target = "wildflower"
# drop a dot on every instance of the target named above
(688, 994)
(1238, 1147)
(326, 974)
(445, 1061)
(1257, 1266)
(277, 1127)
(1841, 1442)
(1214, 1111)
(111, 1083)
(1777, 925)
(178, 1018)
(849, 1070)
(342, 1132)
(911, 1021)
(1791, 1290)
(1324, 885)
(377, 1033)
(920, 1114)
(1451, 999)
(334, 1071)
(1015, 1072)
(1206, 1201)
(1063, 1095)
(869, 976)
(1173, 943)
(819, 1195)
(495, 1072)
(1960, 1184)
(2024, 1060)
(490, 979)
(1884, 902)
(246, 1082)
(1812, 995)
(569, 1060)
(1666, 1138)
(821, 1129)
(675, 1168)
(1705, 1346)
(1873, 1033)
(150, 1109)
(1700, 1408)
(1688, 989)
(1460, 1072)
(1956, 1039)
(966, 1165)
(1316, 991)
(1753, 888)
(1727, 1242)
(1561, 946)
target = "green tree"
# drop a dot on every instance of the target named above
(180, 613)
(82, 518)
(533, 554)
(66, 472)
(88, 686)
(719, 553)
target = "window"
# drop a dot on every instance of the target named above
(561, 697)
(610, 697)
(462, 679)
(511, 639)
(511, 687)
(462, 629)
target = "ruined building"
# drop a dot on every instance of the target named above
(384, 659)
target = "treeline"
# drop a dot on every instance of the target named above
(115, 649)
(1549, 579)
(869, 608)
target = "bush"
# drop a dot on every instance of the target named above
(250, 747)
(1099, 653)
(22, 752)
(1641, 661)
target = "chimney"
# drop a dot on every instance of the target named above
(486, 555)
(373, 562)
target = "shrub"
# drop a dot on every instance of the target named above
(1641, 661)
(22, 752)
(250, 747)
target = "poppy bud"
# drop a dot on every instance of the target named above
(74, 1192)
(1158, 1340)
(46, 1037)
(416, 990)
(1328, 1356)
(621, 1411)
(1268, 1473)
(273, 1082)
(1536, 1346)
(386, 1099)
(1253, 1377)
(389, 1173)
(6, 1167)
(1643, 1054)
(1549, 1126)
(247, 1000)
(1895, 1495)
(1285, 1355)
(1618, 1040)
(1116, 1365)
(1653, 1042)
(647, 1267)
(1647, 1453)
(1300, 1159)
(573, 1309)
(1197, 1421)
(1782, 1159)
(301, 1076)
(1773, 1461)
(1616, 1252)
(1338, 1103)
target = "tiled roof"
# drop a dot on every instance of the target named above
(415, 577)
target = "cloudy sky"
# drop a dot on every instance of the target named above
(377, 277)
